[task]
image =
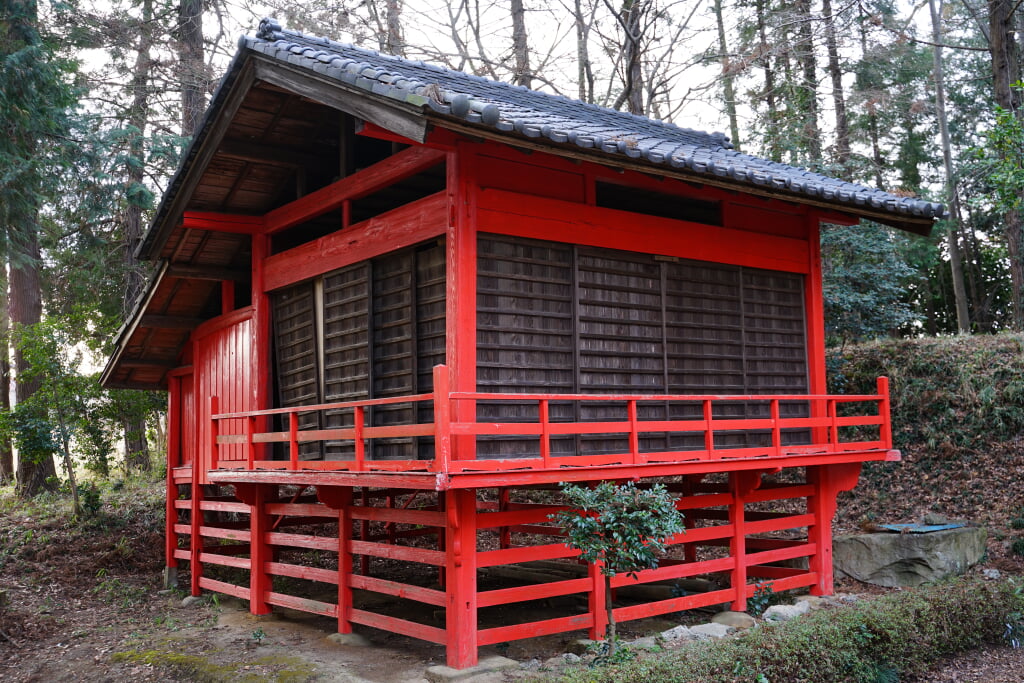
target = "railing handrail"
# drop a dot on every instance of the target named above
(823, 420)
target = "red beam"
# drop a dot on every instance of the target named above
(222, 222)
(406, 163)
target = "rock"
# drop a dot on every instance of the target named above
(786, 612)
(571, 658)
(706, 631)
(532, 665)
(441, 674)
(734, 619)
(991, 574)
(677, 633)
(894, 560)
(814, 601)
(935, 518)
(192, 601)
(581, 646)
(645, 643)
(348, 639)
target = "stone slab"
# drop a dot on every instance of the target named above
(488, 665)
(897, 560)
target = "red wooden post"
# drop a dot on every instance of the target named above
(545, 432)
(832, 411)
(460, 566)
(442, 418)
(822, 505)
(260, 582)
(173, 460)
(293, 440)
(596, 598)
(227, 296)
(364, 533)
(261, 336)
(214, 433)
(504, 534)
(634, 436)
(814, 305)
(250, 451)
(738, 540)
(709, 434)
(195, 568)
(358, 442)
(884, 412)
(345, 560)
(776, 430)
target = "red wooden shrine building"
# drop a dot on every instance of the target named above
(396, 305)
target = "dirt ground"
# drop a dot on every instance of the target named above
(83, 602)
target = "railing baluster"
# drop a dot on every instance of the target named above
(250, 451)
(545, 436)
(214, 433)
(293, 439)
(709, 434)
(442, 419)
(634, 435)
(359, 444)
(833, 413)
(885, 428)
(776, 429)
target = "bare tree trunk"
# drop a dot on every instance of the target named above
(520, 46)
(728, 85)
(6, 447)
(1005, 72)
(876, 149)
(190, 61)
(963, 321)
(804, 53)
(395, 42)
(838, 99)
(26, 309)
(136, 447)
(774, 149)
(586, 71)
(630, 17)
(611, 614)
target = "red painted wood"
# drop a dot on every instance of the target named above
(225, 560)
(400, 516)
(397, 552)
(303, 509)
(406, 163)
(460, 563)
(652, 609)
(296, 571)
(428, 596)
(533, 629)
(521, 215)
(223, 506)
(302, 604)
(229, 534)
(260, 580)
(539, 591)
(401, 626)
(173, 460)
(460, 283)
(302, 541)
(402, 227)
(552, 551)
(597, 605)
(223, 587)
(222, 222)
(195, 538)
(442, 418)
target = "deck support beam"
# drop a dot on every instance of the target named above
(460, 570)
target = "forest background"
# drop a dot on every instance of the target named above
(98, 100)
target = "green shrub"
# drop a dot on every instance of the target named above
(874, 640)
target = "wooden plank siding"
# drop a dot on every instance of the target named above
(377, 331)
(557, 317)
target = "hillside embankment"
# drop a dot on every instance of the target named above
(958, 419)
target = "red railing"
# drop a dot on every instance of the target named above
(241, 440)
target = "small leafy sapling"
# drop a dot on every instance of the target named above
(624, 528)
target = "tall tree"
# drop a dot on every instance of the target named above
(6, 447)
(963, 321)
(1006, 70)
(520, 46)
(835, 72)
(728, 76)
(34, 100)
(190, 62)
(807, 92)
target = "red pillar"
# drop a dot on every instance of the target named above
(460, 570)
(196, 521)
(340, 498)
(828, 481)
(596, 602)
(256, 496)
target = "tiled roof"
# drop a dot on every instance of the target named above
(519, 110)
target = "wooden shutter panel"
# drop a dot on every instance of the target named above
(346, 347)
(524, 336)
(298, 376)
(431, 289)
